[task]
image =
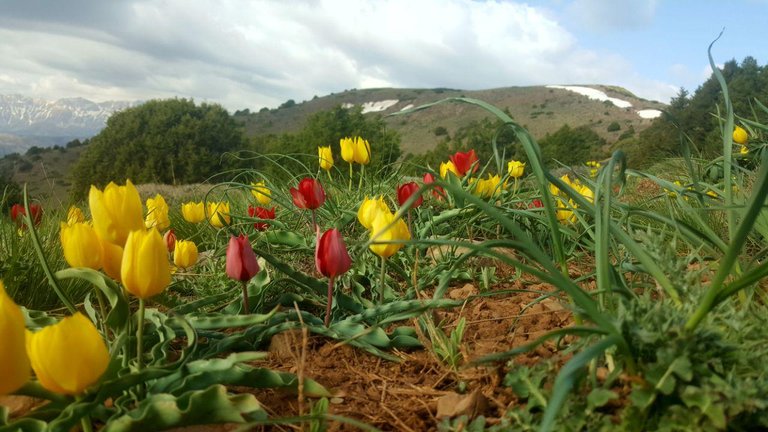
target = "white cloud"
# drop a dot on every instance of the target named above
(261, 53)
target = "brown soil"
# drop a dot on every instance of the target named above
(411, 395)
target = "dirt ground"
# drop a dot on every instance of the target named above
(413, 394)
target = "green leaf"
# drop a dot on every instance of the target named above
(599, 397)
(209, 406)
(119, 312)
(222, 321)
(285, 238)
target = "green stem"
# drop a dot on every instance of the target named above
(85, 420)
(246, 306)
(330, 301)
(350, 176)
(140, 337)
(330, 179)
(362, 174)
(383, 274)
(41, 256)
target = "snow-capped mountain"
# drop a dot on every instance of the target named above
(35, 121)
(72, 116)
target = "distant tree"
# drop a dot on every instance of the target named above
(614, 126)
(288, 104)
(326, 128)
(572, 146)
(165, 141)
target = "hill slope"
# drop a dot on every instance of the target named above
(540, 109)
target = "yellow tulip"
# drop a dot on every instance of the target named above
(74, 215)
(157, 213)
(740, 135)
(369, 209)
(261, 193)
(116, 211)
(111, 259)
(362, 151)
(144, 270)
(743, 149)
(14, 371)
(515, 168)
(565, 212)
(326, 157)
(486, 188)
(384, 230)
(193, 212)
(347, 149)
(81, 245)
(587, 193)
(446, 167)
(218, 214)
(69, 356)
(185, 253)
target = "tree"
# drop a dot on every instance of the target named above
(326, 128)
(572, 146)
(164, 141)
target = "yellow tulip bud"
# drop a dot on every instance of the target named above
(157, 213)
(369, 209)
(565, 212)
(486, 188)
(740, 136)
(347, 149)
(261, 193)
(587, 193)
(515, 168)
(362, 151)
(193, 212)
(384, 230)
(446, 167)
(14, 371)
(185, 253)
(111, 259)
(81, 245)
(69, 356)
(144, 270)
(218, 214)
(326, 157)
(116, 211)
(74, 215)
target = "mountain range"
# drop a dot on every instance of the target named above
(27, 122)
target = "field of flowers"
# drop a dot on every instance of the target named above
(488, 295)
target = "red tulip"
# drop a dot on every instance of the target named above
(438, 191)
(18, 212)
(309, 195)
(464, 161)
(241, 260)
(405, 191)
(170, 240)
(331, 256)
(261, 213)
(331, 260)
(536, 203)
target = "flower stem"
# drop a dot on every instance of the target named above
(330, 179)
(85, 420)
(246, 306)
(330, 301)
(140, 337)
(362, 174)
(314, 224)
(383, 274)
(350, 176)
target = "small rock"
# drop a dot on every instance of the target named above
(454, 405)
(463, 292)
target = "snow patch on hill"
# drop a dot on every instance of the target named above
(407, 107)
(377, 106)
(594, 94)
(649, 113)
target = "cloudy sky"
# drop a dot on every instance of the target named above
(251, 54)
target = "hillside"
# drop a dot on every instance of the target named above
(540, 109)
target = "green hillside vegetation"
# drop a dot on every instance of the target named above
(170, 141)
(540, 109)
